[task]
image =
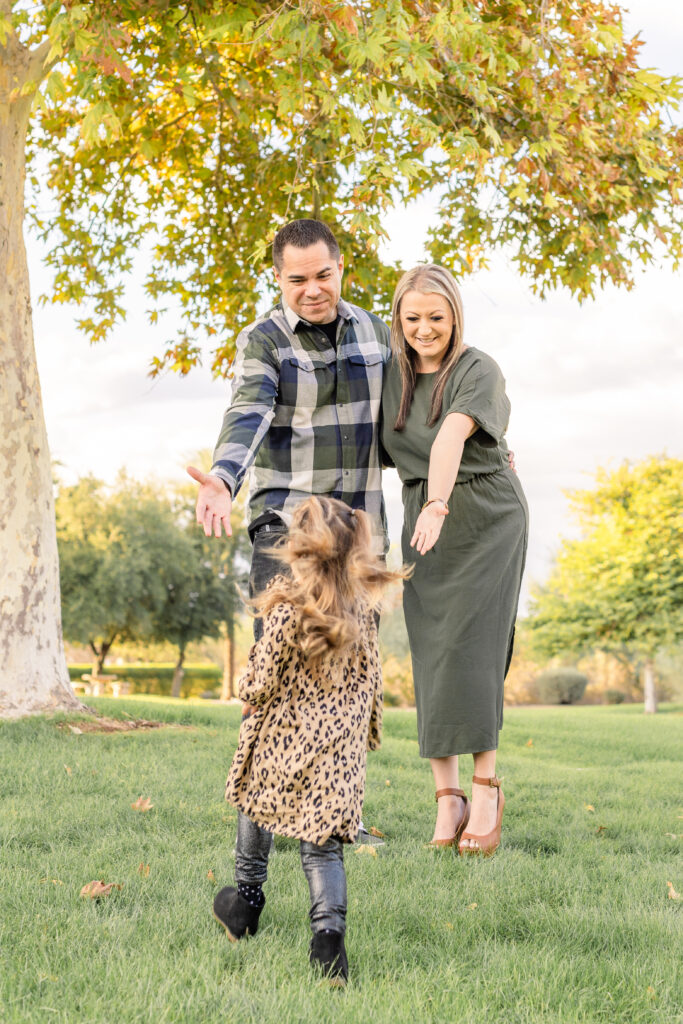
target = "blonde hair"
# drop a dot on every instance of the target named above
(335, 576)
(427, 278)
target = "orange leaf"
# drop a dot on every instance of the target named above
(365, 848)
(143, 870)
(210, 875)
(472, 906)
(387, 783)
(96, 890)
(376, 832)
(589, 807)
(345, 18)
(142, 804)
(67, 769)
(673, 895)
(601, 828)
(529, 743)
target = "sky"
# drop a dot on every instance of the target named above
(590, 385)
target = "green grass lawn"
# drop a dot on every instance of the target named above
(569, 922)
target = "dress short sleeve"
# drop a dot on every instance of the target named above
(480, 393)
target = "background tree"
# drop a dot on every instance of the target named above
(620, 584)
(195, 597)
(228, 562)
(189, 132)
(117, 551)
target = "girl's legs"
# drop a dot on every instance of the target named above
(324, 869)
(449, 809)
(484, 798)
(251, 852)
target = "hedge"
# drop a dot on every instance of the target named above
(158, 678)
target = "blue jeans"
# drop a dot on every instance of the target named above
(323, 866)
(263, 566)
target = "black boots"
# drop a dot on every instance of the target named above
(237, 916)
(240, 919)
(327, 951)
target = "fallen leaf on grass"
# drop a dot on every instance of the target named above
(651, 992)
(472, 906)
(366, 848)
(143, 803)
(97, 889)
(529, 743)
(601, 828)
(55, 881)
(673, 895)
(210, 875)
(376, 832)
(143, 870)
(387, 783)
(449, 925)
(589, 807)
(673, 835)
(76, 730)
(67, 769)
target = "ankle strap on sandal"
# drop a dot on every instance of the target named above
(449, 792)
(493, 782)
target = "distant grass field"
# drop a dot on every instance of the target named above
(570, 922)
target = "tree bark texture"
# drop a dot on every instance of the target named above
(34, 675)
(649, 687)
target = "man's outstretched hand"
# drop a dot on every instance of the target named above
(214, 503)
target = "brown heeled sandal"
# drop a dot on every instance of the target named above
(488, 844)
(461, 824)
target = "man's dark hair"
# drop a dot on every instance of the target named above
(301, 234)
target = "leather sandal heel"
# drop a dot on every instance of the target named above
(488, 844)
(461, 824)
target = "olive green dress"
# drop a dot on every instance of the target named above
(461, 602)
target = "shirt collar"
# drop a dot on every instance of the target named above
(344, 310)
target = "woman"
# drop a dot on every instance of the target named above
(445, 413)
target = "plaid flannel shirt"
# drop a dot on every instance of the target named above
(304, 415)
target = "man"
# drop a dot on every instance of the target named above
(304, 417)
(305, 403)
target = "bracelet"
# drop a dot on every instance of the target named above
(431, 502)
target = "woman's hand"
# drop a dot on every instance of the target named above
(428, 526)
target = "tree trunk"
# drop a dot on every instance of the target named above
(100, 656)
(649, 688)
(178, 674)
(228, 686)
(34, 673)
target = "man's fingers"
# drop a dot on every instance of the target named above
(226, 525)
(197, 474)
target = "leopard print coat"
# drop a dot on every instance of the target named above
(299, 768)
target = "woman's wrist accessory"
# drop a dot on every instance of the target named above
(431, 502)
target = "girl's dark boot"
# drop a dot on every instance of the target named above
(237, 916)
(328, 952)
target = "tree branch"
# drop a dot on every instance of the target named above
(38, 69)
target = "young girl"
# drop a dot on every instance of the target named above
(315, 686)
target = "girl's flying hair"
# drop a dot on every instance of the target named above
(334, 575)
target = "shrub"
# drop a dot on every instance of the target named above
(158, 679)
(398, 683)
(560, 686)
(615, 696)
